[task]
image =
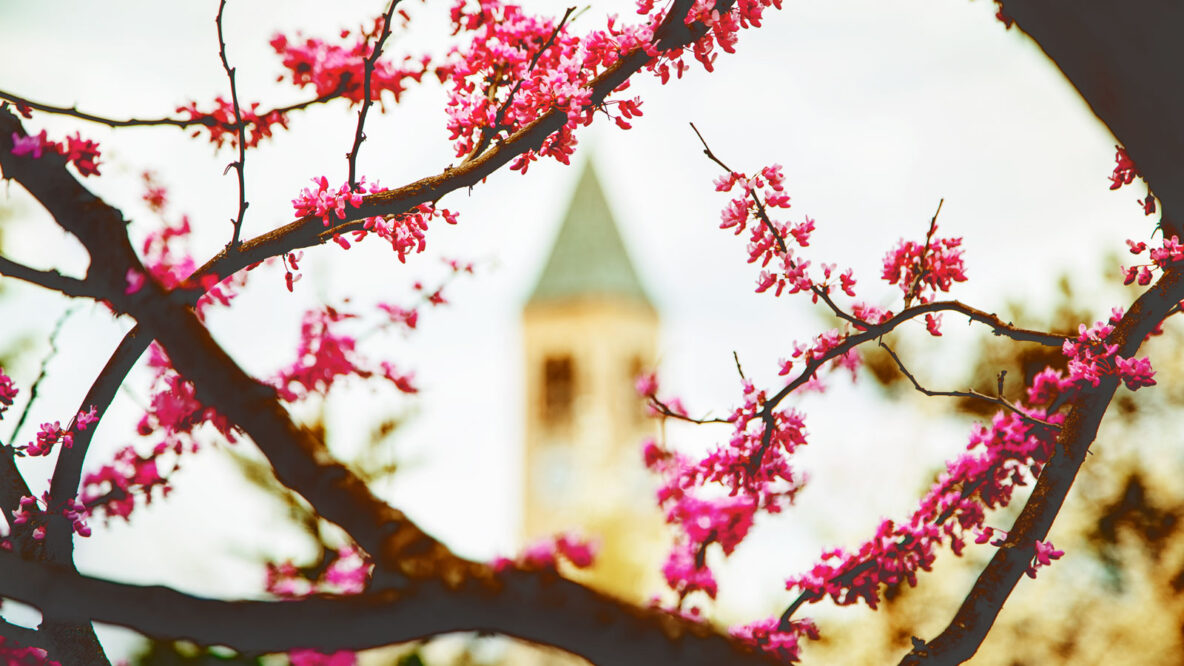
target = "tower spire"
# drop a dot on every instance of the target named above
(588, 258)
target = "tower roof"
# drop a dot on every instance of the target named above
(588, 257)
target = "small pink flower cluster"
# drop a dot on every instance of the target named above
(922, 270)
(164, 254)
(1045, 554)
(14, 654)
(52, 434)
(326, 203)
(505, 57)
(404, 232)
(336, 70)
(8, 391)
(768, 636)
(504, 78)
(1125, 170)
(115, 486)
(723, 29)
(819, 348)
(30, 512)
(770, 239)
(325, 355)
(347, 573)
(82, 153)
(547, 553)
(1169, 253)
(1091, 357)
(220, 122)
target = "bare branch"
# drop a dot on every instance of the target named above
(971, 393)
(241, 165)
(368, 75)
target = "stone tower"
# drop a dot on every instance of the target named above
(590, 330)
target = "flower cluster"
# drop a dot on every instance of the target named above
(222, 127)
(773, 242)
(325, 202)
(82, 153)
(346, 572)
(1091, 357)
(756, 474)
(15, 654)
(404, 232)
(922, 270)
(519, 67)
(52, 434)
(768, 636)
(30, 512)
(547, 553)
(335, 70)
(114, 487)
(1170, 252)
(8, 391)
(325, 354)
(998, 460)
(1125, 170)
(168, 261)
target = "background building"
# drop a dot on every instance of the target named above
(589, 330)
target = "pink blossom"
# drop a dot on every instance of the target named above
(32, 145)
(1125, 170)
(8, 391)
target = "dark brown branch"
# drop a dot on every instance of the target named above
(536, 606)
(367, 80)
(48, 279)
(971, 393)
(241, 165)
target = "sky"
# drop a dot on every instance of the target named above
(877, 111)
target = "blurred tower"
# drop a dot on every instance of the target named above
(590, 330)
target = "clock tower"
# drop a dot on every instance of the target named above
(589, 330)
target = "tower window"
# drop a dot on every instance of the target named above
(559, 388)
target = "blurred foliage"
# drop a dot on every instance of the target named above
(184, 653)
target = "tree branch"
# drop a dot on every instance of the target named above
(961, 639)
(49, 279)
(536, 606)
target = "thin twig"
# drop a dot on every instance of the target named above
(665, 410)
(206, 120)
(921, 270)
(53, 351)
(367, 76)
(971, 393)
(872, 331)
(241, 164)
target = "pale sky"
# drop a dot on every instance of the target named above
(876, 110)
